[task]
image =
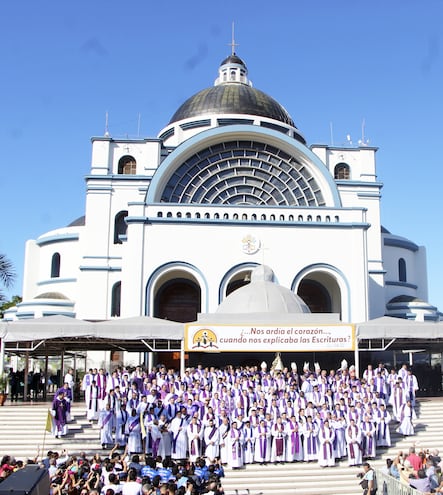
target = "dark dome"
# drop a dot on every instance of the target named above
(233, 59)
(232, 98)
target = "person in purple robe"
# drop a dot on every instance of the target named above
(59, 413)
(67, 391)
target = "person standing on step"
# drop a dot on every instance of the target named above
(86, 384)
(353, 439)
(406, 417)
(294, 447)
(368, 481)
(106, 422)
(248, 442)
(278, 447)
(235, 447)
(93, 402)
(383, 418)
(179, 436)
(326, 436)
(310, 440)
(368, 433)
(133, 430)
(211, 437)
(59, 413)
(121, 418)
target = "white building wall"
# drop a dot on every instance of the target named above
(38, 261)
(416, 272)
(106, 153)
(215, 249)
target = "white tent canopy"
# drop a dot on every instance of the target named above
(388, 327)
(138, 328)
(55, 334)
(48, 327)
(59, 327)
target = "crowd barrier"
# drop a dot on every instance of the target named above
(388, 485)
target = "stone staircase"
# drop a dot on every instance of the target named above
(22, 434)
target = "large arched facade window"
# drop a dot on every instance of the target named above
(342, 171)
(324, 290)
(55, 265)
(316, 296)
(240, 280)
(116, 299)
(127, 165)
(120, 226)
(237, 277)
(178, 299)
(243, 173)
(402, 275)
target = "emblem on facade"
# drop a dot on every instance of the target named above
(250, 244)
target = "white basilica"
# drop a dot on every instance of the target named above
(174, 224)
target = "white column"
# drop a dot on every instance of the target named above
(182, 358)
(357, 359)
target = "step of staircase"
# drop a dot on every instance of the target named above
(22, 434)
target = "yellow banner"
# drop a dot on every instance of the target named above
(48, 425)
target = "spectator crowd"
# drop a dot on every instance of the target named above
(420, 469)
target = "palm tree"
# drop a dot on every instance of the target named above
(7, 274)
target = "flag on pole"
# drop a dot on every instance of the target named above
(48, 426)
(142, 425)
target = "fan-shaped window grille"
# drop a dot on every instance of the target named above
(243, 172)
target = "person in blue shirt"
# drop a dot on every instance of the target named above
(164, 471)
(149, 469)
(135, 464)
(201, 470)
(182, 478)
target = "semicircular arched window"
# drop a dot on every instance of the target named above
(116, 299)
(120, 226)
(342, 171)
(55, 265)
(402, 276)
(127, 165)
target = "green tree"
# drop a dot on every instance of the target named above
(7, 275)
(9, 304)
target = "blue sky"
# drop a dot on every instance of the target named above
(65, 64)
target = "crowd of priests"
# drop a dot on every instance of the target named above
(243, 415)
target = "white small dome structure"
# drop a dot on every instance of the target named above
(263, 295)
